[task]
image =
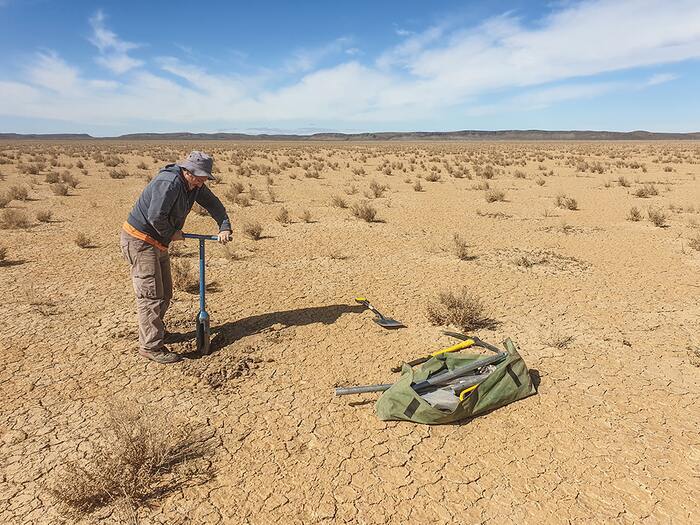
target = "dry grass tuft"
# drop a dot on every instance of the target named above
(634, 214)
(461, 308)
(283, 216)
(417, 186)
(460, 247)
(15, 219)
(82, 240)
(377, 189)
(18, 193)
(140, 457)
(118, 174)
(306, 216)
(494, 195)
(3, 254)
(567, 203)
(60, 189)
(253, 230)
(44, 215)
(365, 211)
(647, 190)
(4, 200)
(338, 202)
(694, 243)
(657, 217)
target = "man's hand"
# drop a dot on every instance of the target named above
(224, 236)
(177, 236)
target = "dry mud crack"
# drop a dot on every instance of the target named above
(604, 312)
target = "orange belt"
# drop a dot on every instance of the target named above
(128, 228)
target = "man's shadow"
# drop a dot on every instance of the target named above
(228, 333)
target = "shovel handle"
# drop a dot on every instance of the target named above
(199, 236)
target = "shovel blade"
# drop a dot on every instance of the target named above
(203, 337)
(386, 322)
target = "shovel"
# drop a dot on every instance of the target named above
(202, 319)
(381, 320)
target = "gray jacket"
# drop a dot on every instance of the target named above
(163, 206)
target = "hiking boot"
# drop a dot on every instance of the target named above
(162, 356)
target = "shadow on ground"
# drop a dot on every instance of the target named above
(228, 333)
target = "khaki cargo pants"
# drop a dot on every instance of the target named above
(153, 286)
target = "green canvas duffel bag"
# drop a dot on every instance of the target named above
(509, 382)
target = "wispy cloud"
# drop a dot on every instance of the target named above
(661, 78)
(303, 60)
(430, 74)
(114, 53)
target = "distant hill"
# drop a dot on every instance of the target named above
(466, 135)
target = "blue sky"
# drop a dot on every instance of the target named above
(109, 68)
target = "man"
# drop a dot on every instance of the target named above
(157, 219)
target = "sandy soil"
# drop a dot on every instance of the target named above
(604, 310)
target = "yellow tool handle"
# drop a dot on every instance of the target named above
(467, 391)
(454, 348)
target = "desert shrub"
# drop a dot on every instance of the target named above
(70, 179)
(242, 200)
(283, 216)
(657, 217)
(82, 240)
(12, 218)
(568, 203)
(647, 190)
(80, 165)
(433, 176)
(232, 194)
(118, 174)
(138, 457)
(417, 186)
(622, 181)
(351, 189)
(3, 254)
(253, 193)
(460, 247)
(365, 211)
(694, 243)
(52, 177)
(306, 216)
(494, 195)
(58, 188)
(540, 181)
(183, 275)
(312, 174)
(338, 202)
(271, 193)
(253, 230)
(634, 214)
(377, 189)
(43, 215)
(18, 193)
(461, 308)
(519, 174)
(112, 161)
(4, 200)
(142, 165)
